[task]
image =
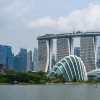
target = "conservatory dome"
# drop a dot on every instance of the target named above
(71, 67)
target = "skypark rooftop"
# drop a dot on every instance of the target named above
(68, 35)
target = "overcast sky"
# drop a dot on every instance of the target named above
(22, 21)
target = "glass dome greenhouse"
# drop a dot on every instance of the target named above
(71, 67)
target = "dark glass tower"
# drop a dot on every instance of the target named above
(98, 58)
(6, 56)
(20, 61)
(16, 63)
(23, 59)
(77, 51)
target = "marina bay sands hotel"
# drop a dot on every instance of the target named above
(65, 48)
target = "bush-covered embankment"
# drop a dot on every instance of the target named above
(28, 78)
(35, 78)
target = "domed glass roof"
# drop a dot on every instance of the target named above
(71, 67)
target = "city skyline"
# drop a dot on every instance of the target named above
(33, 63)
(49, 49)
(64, 47)
(22, 62)
(23, 21)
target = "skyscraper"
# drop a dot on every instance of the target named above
(23, 59)
(17, 63)
(20, 60)
(44, 55)
(53, 60)
(87, 54)
(64, 47)
(77, 51)
(35, 59)
(98, 58)
(98, 54)
(6, 56)
(29, 61)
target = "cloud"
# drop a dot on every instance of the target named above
(42, 22)
(83, 20)
(15, 13)
(15, 7)
(25, 20)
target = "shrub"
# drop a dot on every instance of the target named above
(42, 82)
(31, 82)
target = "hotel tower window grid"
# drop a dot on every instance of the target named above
(87, 54)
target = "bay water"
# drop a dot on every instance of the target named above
(50, 92)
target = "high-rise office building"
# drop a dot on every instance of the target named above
(98, 58)
(64, 47)
(77, 51)
(87, 53)
(20, 60)
(98, 64)
(44, 55)
(6, 56)
(17, 63)
(53, 60)
(35, 59)
(23, 59)
(29, 61)
(98, 54)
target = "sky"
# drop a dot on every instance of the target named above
(22, 21)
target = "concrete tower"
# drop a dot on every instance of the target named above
(64, 47)
(88, 50)
(44, 55)
(35, 59)
(29, 61)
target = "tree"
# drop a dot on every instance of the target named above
(55, 80)
(62, 79)
(56, 76)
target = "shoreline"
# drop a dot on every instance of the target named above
(69, 83)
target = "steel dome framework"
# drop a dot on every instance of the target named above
(71, 67)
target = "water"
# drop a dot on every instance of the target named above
(49, 92)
